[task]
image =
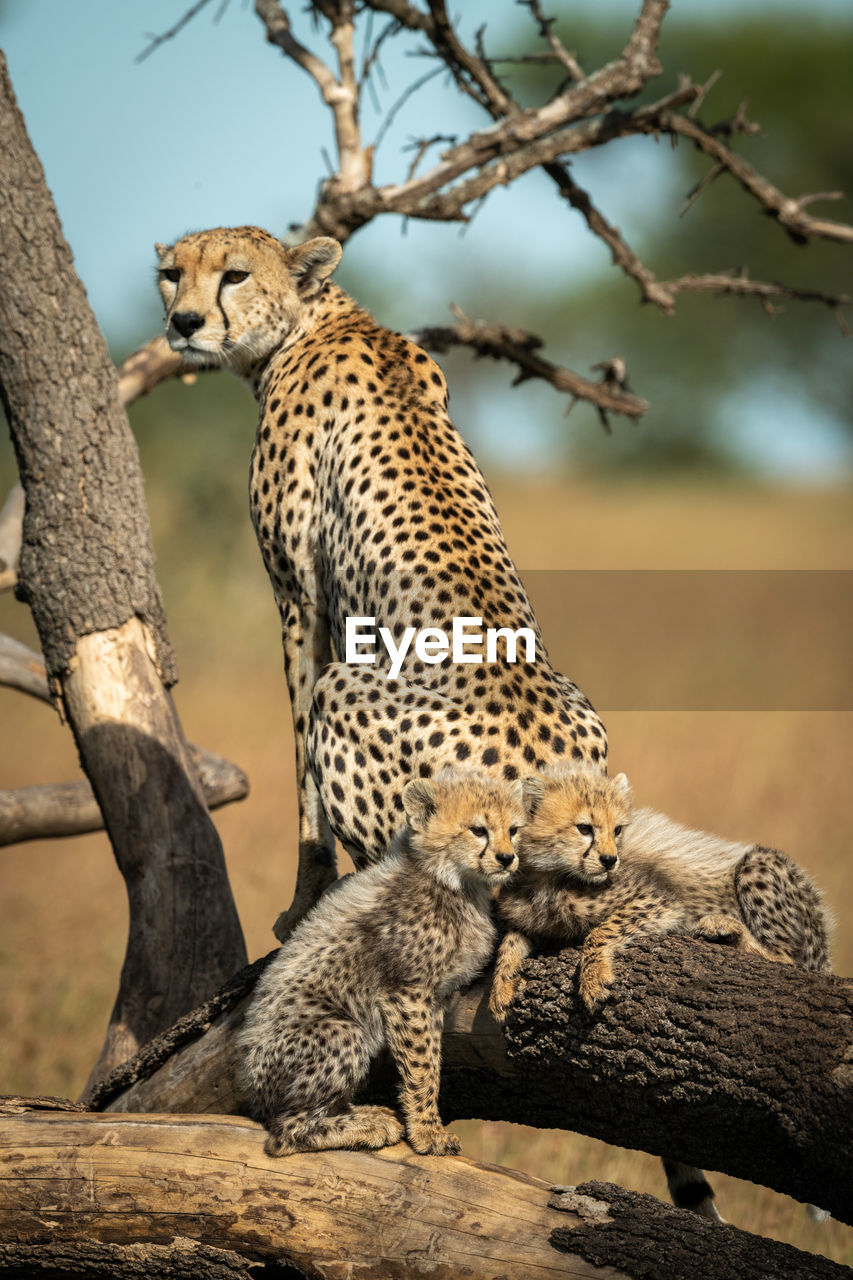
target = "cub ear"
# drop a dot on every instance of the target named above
(162, 250)
(621, 786)
(312, 263)
(419, 802)
(533, 789)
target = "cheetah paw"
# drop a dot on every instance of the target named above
(594, 983)
(434, 1140)
(503, 992)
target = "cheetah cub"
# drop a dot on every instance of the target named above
(372, 965)
(593, 870)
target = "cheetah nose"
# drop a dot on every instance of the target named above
(187, 322)
(608, 860)
(505, 859)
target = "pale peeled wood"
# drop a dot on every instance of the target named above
(387, 1214)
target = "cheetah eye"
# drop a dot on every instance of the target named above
(584, 828)
(234, 277)
(172, 274)
(513, 832)
(617, 831)
(480, 832)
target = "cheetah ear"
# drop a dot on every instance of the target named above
(621, 786)
(312, 263)
(162, 250)
(533, 789)
(419, 802)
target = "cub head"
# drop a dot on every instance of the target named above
(464, 826)
(234, 294)
(577, 817)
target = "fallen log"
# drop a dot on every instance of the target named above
(719, 1060)
(112, 1195)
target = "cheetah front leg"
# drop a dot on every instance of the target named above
(413, 1027)
(513, 951)
(642, 918)
(307, 648)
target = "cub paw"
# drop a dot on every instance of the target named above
(434, 1140)
(388, 1131)
(276, 1145)
(595, 979)
(503, 992)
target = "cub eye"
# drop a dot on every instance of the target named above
(584, 828)
(513, 832)
(617, 831)
(234, 277)
(172, 274)
(480, 832)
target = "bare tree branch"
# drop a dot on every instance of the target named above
(48, 811)
(156, 41)
(23, 669)
(470, 72)
(788, 211)
(340, 94)
(150, 365)
(622, 255)
(70, 808)
(500, 342)
(559, 53)
(738, 284)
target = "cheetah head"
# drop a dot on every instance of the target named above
(463, 826)
(232, 295)
(577, 819)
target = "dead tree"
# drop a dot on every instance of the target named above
(86, 572)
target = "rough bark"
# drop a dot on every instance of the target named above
(86, 570)
(149, 1183)
(717, 1060)
(86, 563)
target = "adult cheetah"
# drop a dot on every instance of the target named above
(366, 504)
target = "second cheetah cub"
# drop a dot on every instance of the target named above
(372, 966)
(594, 871)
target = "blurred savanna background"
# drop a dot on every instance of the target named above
(691, 572)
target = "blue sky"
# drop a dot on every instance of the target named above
(217, 128)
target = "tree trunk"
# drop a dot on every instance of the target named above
(86, 570)
(703, 1055)
(120, 1190)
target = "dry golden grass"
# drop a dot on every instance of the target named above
(780, 776)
